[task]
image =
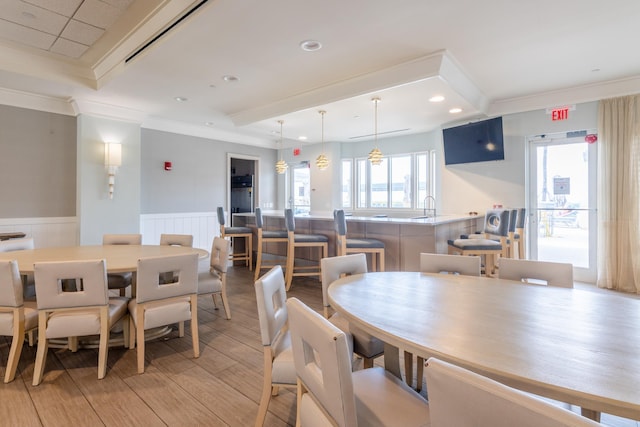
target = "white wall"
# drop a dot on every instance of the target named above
(97, 214)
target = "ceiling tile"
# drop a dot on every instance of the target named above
(97, 13)
(24, 35)
(63, 7)
(32, 17)
(81, 33)
(68, 48)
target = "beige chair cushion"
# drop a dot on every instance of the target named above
(459, 397)
(70, 324)
(283, 370)
(384, 400)
(209, 282)
(163, 313)
(30, 319)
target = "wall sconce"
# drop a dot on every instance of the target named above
(112, 159)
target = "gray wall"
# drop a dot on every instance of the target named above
(37, 164)
(198, 180)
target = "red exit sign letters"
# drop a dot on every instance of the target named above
(560, 114)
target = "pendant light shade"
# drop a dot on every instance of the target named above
(281, 165)
(322, 162)
(375, 155)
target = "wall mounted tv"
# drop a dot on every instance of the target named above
(474, 142)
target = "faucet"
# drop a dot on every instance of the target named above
(433, 210)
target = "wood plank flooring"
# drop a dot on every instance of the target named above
(220, 388)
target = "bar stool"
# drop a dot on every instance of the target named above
(496, 223)
(266, 236)
(519, 235)
(298, 240)
(346, 246)
(234, 233)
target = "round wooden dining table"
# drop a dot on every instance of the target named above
(573, 345)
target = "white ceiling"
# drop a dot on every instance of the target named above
(487, 57)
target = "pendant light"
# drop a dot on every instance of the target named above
(322, 162)
(375, 156)
(281, 165)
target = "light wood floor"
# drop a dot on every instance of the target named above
(220, 388)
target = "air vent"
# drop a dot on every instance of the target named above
(165, 31)
(371, 135)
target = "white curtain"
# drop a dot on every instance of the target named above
(619, 194)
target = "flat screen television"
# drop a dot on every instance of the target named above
(474, 142)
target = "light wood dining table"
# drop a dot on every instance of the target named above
(576, 346)
(119, 258)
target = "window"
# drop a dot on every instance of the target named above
(347, 174)
(400, 182)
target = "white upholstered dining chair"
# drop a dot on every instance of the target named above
(364, 344)
(537, 272)
(279, 370)
(185, 240)
(461, 398)
(160, 303)
(450, 264)
(121, 281)
(213, 279)
(73, 301)
(22, 244)
(16, 315)
(330, 394)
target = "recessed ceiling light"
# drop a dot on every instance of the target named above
(436, 98)
(229, 78)
(310, 45)
(181, 99)
(302, 138)
(455, 110)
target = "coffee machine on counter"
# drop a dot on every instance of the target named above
(242, 194)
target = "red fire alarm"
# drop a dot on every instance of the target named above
(167, 166)
(296, 151)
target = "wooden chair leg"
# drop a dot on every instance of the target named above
(367, 362)
(419, 373)
(266, 389)
(195, 337)
(408, 368)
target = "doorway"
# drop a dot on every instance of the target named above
(300, 188)
(562, 201)
(242, 183)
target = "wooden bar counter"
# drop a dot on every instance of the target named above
(404, 238)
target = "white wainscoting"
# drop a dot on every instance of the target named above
(46, 232)
(202, 225)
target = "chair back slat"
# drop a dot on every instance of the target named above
(553, 273)
(10, 284)
(220, 254)
(271, 299)
(52, 290)
(289, 220)
(185, 240)
(11, 245)
(334, 267)
(184, 269)
(452, 264)
(259, 222)
(122, 239)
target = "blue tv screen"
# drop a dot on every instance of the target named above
(474, 142)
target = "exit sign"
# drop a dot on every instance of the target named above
(560, 114)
